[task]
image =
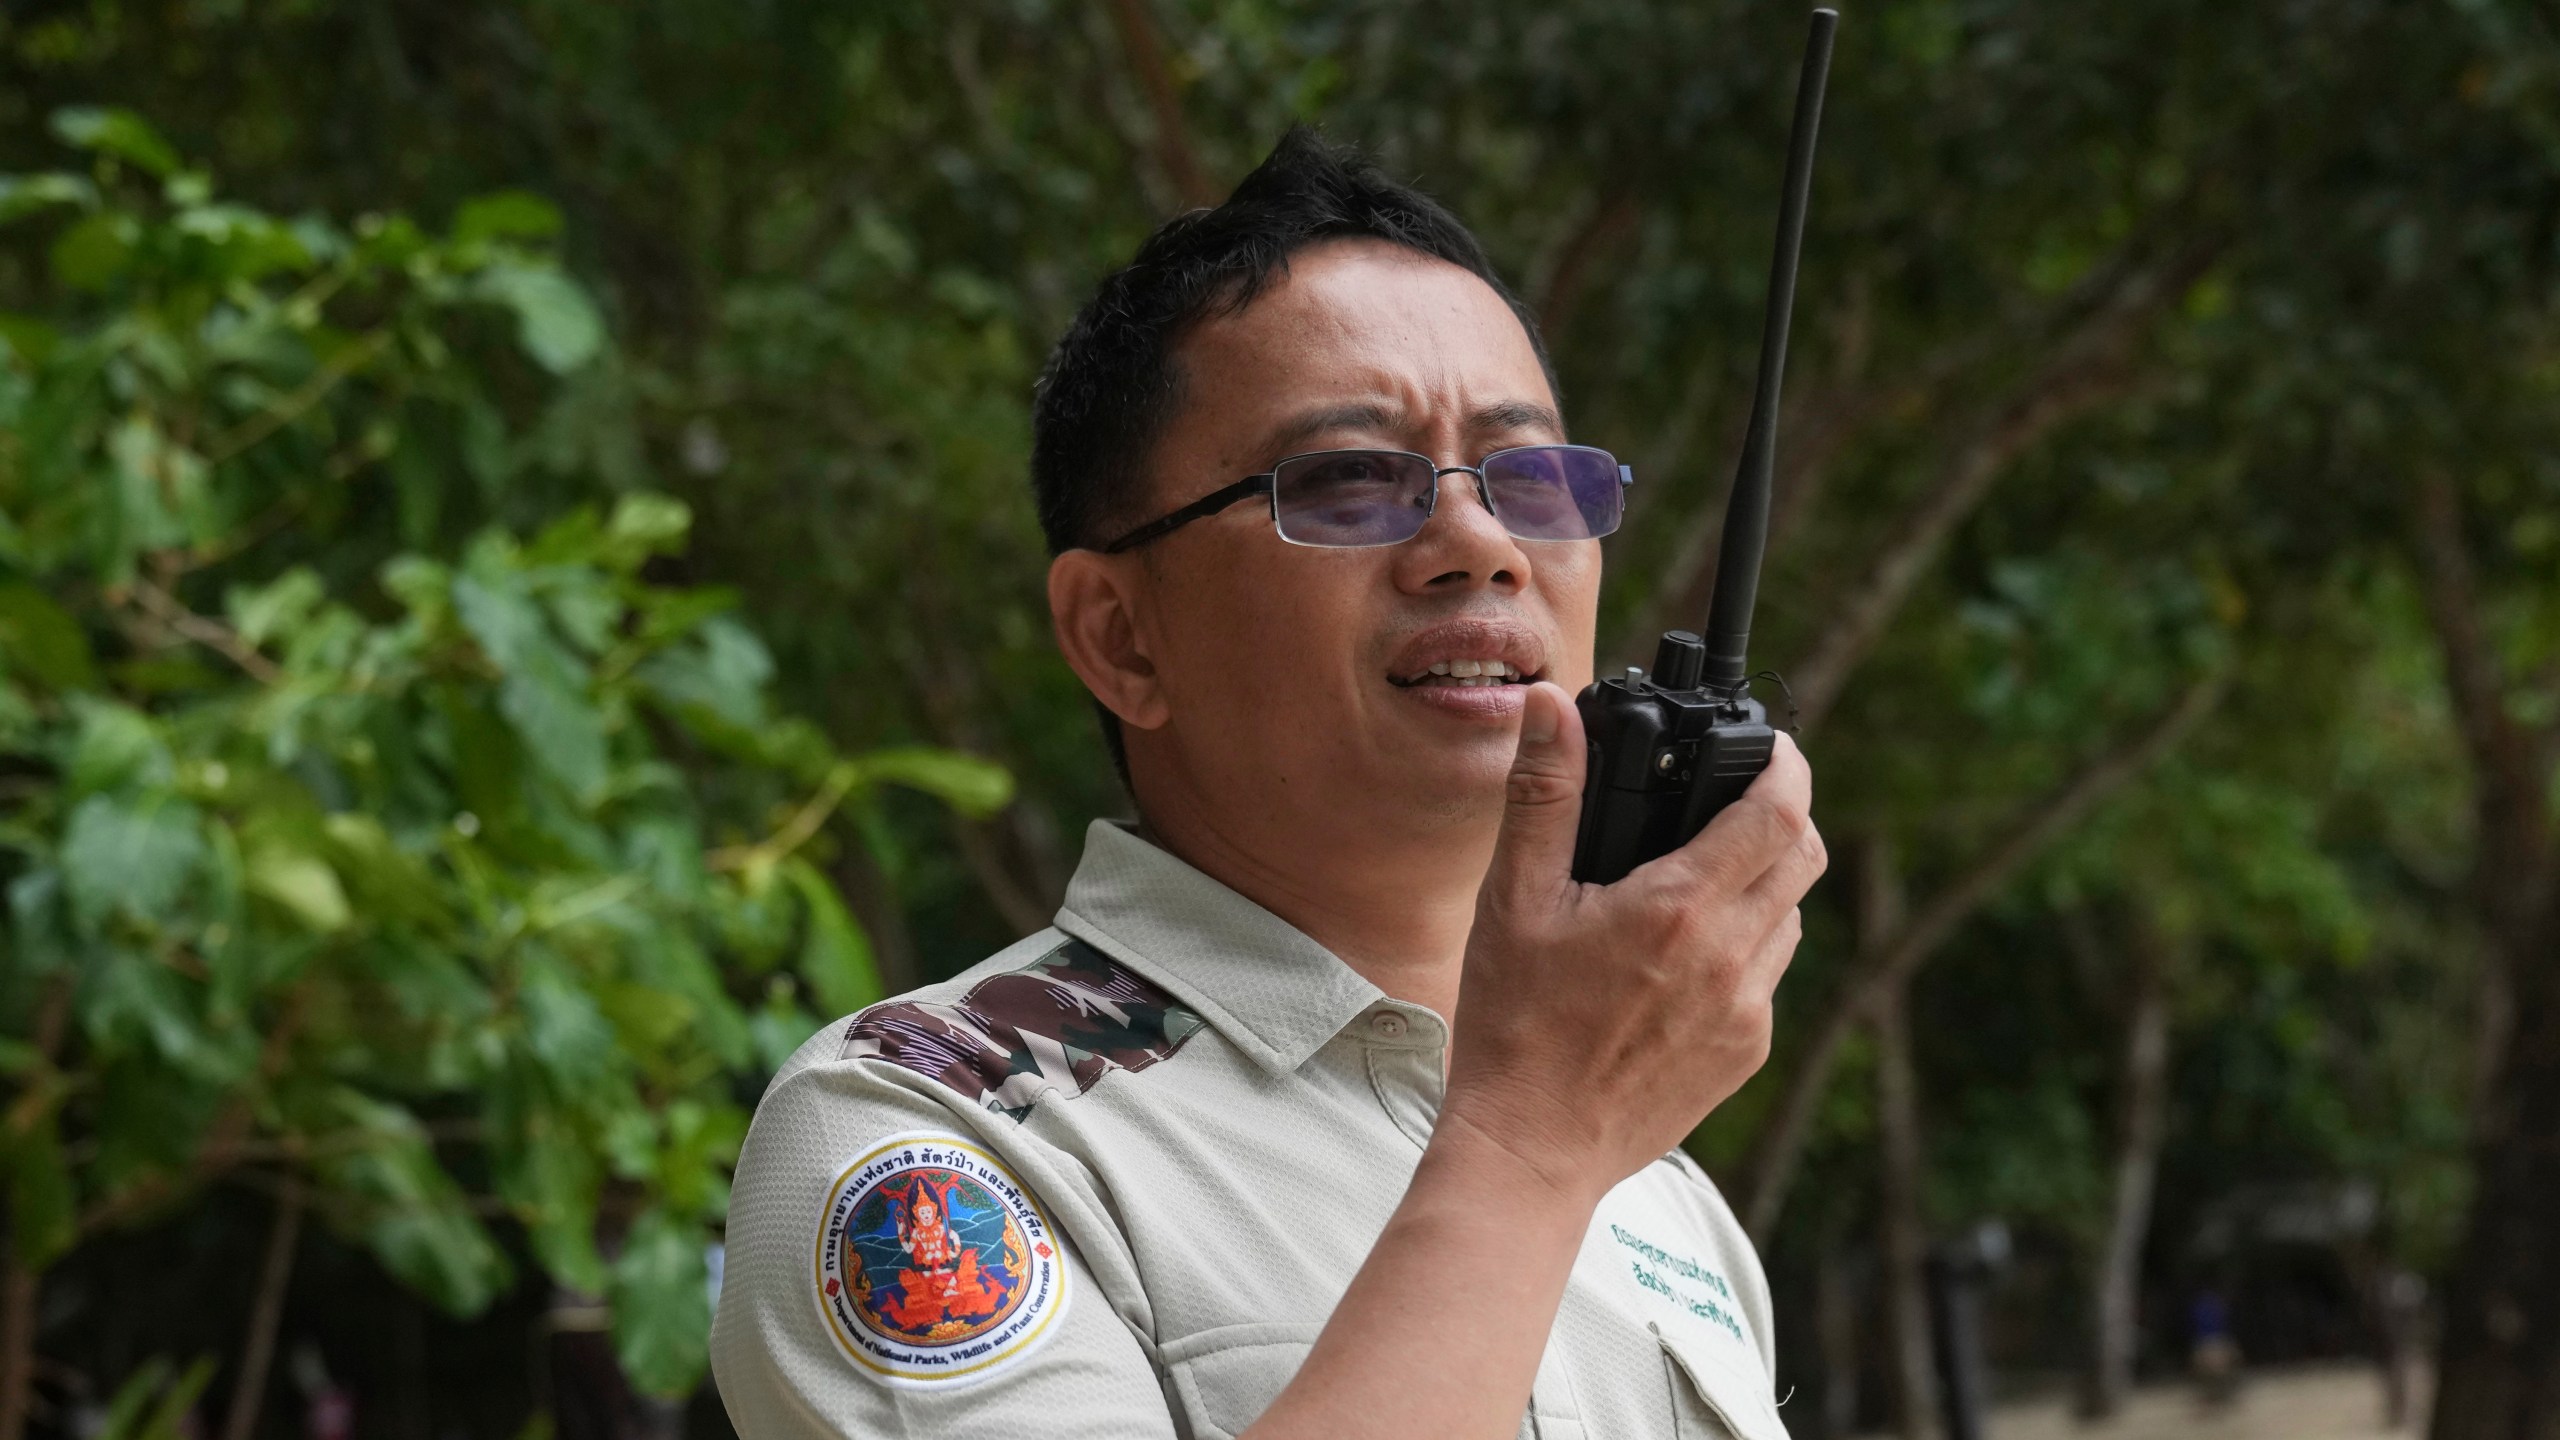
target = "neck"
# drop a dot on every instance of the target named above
(1395, 903)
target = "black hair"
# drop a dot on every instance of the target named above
(1112, 386)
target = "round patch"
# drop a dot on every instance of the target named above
(934, 1264)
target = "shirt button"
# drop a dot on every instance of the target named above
(1388, 1025)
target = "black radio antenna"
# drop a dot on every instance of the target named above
(1746, 515)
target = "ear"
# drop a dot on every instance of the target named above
(1094, 605)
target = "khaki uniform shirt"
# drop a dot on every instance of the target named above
(1112, 1181)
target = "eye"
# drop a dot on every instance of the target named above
(1347, 472)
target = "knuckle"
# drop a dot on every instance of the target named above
(1792, 820)
(1817, 854)
(1531, 788)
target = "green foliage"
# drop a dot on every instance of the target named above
(151, 1404)
(354, 836)
(829, 244)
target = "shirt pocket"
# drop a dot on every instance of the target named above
(1714, 1395)
(1224, 1378)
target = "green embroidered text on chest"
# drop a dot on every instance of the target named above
(1656, 1270)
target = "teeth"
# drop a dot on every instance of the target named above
(1476, 672)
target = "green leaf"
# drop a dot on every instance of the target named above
(541, 696)
(968, 784)
(568, 1034)
(135, 858)
(662, 1304)
(555, 321)
(92, 254)
(148, 1406)
(22, 195)
(262, 613)
(302, 883)
(41, 640)
(113, 130)
(31, 339)
(116, 747)
(835, 958)
(132, 1002)
(42, 1204)
(561, 731)
(172, 1417)
(653, 524)
(388, 1189)
(505, 214)
(125, 1407)
(552, 1177)
(721, 670)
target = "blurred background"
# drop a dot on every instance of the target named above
(519, 599)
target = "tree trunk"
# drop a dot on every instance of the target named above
(1835, 1319)
(2142, 1093)
(1779, 1147)
(2498, 1364)
(266, 1312)
(1906, 1234)
(19, 1288)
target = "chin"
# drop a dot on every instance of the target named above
(1449, 795)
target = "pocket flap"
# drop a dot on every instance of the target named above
(1737, 1393)
(1226, 1377)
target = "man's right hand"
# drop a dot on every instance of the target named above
(1598, 1024)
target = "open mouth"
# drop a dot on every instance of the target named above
(1467, 674)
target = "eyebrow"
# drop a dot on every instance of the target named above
(1503, 418)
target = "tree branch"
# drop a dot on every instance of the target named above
(2507, 756)
(1611, 218)
(211, 634)
(1889, 964)
(294, 406)
(266, 1311)
(2090, 368)
(226, 1142)
(20, 1283)
(1144, 47)
(1823, 422)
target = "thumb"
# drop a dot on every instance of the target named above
(1542, 799)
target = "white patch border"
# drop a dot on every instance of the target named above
(1019, 1203)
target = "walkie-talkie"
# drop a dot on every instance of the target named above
(1669, 750)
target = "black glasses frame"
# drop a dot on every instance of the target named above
(1267, 483)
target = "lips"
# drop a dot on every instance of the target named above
(1469, 654)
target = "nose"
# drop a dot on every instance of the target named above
(1462, 546)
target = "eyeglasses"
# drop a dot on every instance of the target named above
(1347, 499)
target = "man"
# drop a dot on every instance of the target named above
(1332, 1106)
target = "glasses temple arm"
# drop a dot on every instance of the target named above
(1209, 504)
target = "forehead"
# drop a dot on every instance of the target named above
(1355, 322)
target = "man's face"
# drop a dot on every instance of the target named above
(1300, 677)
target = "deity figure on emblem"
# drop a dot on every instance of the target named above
(928, 1236)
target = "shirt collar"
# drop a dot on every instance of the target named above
(1274, 993)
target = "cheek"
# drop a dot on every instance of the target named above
(1268, 634)
(1569, 583)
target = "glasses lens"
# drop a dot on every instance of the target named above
(1555, 492)
(1352, 497)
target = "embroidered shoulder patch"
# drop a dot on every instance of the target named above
(1060, 1023)
(934, 1264)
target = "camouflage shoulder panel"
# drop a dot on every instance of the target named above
(1060, 1023)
